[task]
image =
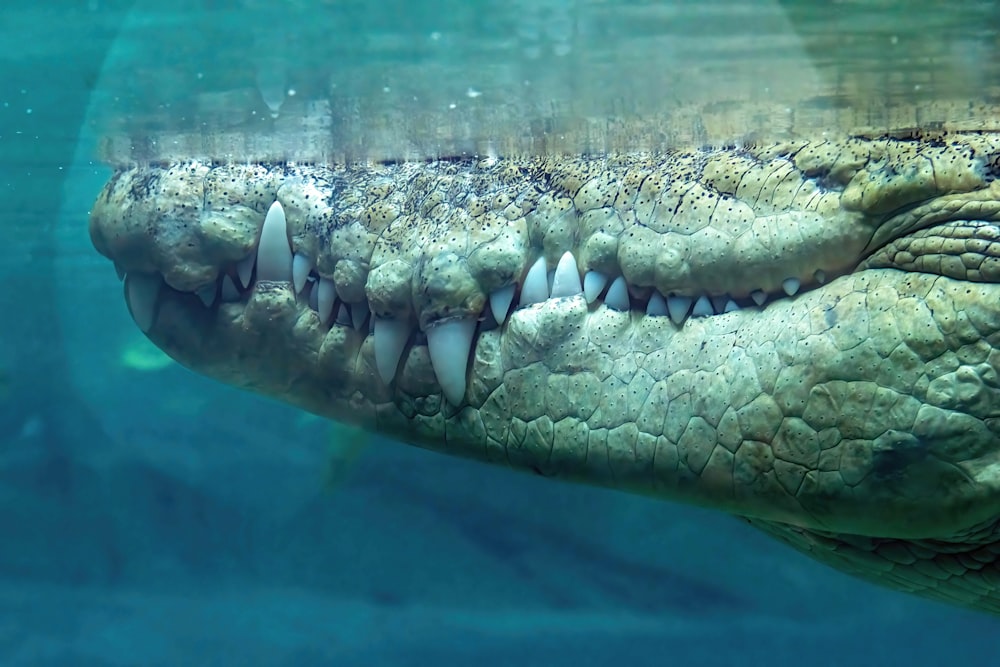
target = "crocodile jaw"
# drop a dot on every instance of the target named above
(861, 406)
(811, 422)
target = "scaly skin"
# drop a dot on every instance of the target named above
(856, 420)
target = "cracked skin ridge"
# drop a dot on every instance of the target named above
(856, 420)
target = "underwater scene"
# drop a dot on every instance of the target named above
(691, 310)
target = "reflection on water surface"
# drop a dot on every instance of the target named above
(396, 80)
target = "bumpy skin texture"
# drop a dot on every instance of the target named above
(856, 420)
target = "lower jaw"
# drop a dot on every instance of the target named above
(556, 373)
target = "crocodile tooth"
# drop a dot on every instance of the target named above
(326, 295)
(617, 296)
(566, 281)
(359, 314)
(594, 283)
(730, 306)
(657, 305)
(119, 271)
(791, 286)
(244, 269)
(390, 339)
(759, 296)
(677, 308)
(819, 276)
(142, 291)
(344, 316)
(535, 288)
(702, 307)
(230, 292)
(301, 266)
(500, 300)
(448, 344)
(207, 295)
(274, 255)
(312, 294)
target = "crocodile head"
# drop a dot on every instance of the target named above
(803, 334)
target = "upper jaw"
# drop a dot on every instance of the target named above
(438, 251)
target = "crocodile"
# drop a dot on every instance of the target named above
(802, 333)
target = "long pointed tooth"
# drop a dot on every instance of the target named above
(448, 343)
(229, 291)
(500, 300)
(819, 276)
(791, 286)
(731, 306)
(678, 307)
(566, 281)
(617, 296)
(536, 284)
(119, 271)
(274, 255)
(759, 296)
(594, 283)
(312, 294)
(207, 295)
(301, 266)
(344, 316)
(702, 307)
(141, 293)
(359, 314)
(326, 294)
(244, 269)
(390, 339)
(657, 305)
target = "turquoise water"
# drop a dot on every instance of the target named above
(150, 516)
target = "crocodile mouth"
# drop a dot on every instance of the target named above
(795, 332)
(450, 340)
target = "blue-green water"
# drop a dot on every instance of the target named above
(152, 517)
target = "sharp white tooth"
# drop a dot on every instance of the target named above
(274, 255)
(120, 272)
(359, 314)
(344, 316)
(486, 321)
(791, 286)
(301, 266)
(731, 306)
(820, 276)
(326, 295)
(593, 284)
(390, 339)
(678, 307)
(702, 307)
(657, 305)
(500, 300)
(566, 281)
(244, 269)
(229, 291)
(448, 344)
(617, 296)
(312, 290)
(536, 284)
(141, 293)
(207, 295)
(758, 296)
